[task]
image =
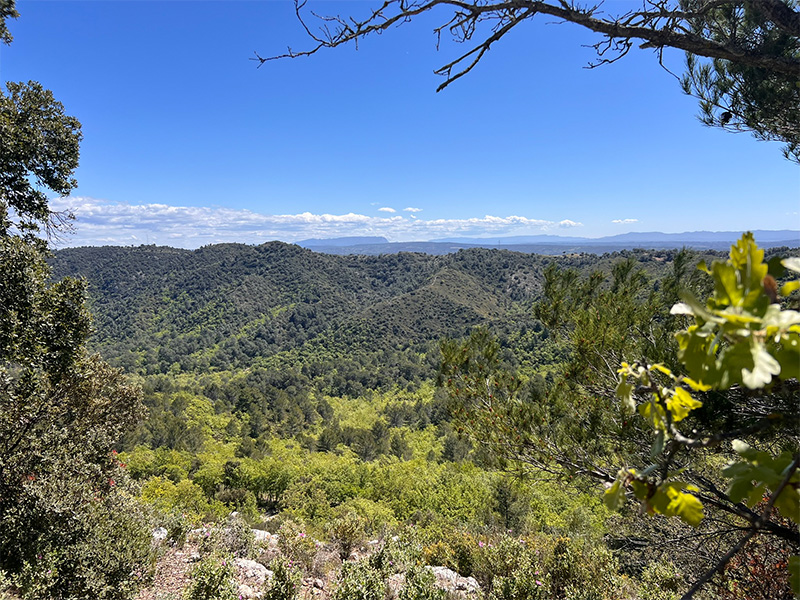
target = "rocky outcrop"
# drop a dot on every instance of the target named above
(452, 582)
(253, 577)
(463, 588)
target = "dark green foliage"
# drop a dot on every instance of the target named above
(213, 578)
(742, 97)
(573, 424)
(70, 526)
(62, 493)
(349, 324)
(39, 151)
(176, 311)
(80, 545)
(7, 11)
(359, 581)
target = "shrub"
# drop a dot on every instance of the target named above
(102, 549)
(458, 551)
(285, 581)
(178, 526)
(359, 581)
(213, 578)
(525, 583)
(241, 500)
(579, 572)
(233, 537)
(296, 544)
(504, 557)
(185, 497)
(346, 532)
(395, 555)
(421, 585)
(660, 581)
(375, 517)
(236, 537)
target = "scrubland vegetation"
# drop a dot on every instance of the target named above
(578, 427)
(486, 454)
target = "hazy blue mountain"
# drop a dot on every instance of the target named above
(513, 240)
(342, 241)
(762, 236)
(556, 245)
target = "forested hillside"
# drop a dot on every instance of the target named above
(158, 309)
(318, 389)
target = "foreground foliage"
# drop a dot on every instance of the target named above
(742, 341)
(741, 358)
(70, 524)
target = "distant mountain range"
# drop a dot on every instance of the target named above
(342, 241)
(553, 244)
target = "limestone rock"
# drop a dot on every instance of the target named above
(395, 584)
(159, 534)
(452, 582)
(252, 573)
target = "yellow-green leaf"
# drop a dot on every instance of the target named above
(614, 496)
(695, 385)
(789, 287)
(661, 368)
(685, 506)
(625, 393)
(681, 403)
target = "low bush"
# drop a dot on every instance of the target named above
(396, 555)
(213, 578)
(660, 581)
(359, 581)
(285, 584)
(296, 544)
(233, 536)
(346, 532)
(98, 547)
(526, 583)
(420, 585)
(458, 551)
(178, 527)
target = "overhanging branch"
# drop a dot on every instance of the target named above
(662, 25)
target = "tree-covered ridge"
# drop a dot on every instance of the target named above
(232, 305)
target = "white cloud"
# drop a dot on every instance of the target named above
(624, 221)
(386, 209)
(101, 222)
(568, 223)
(411, 209)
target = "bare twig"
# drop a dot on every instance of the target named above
(661, 25)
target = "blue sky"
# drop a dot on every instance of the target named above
(186, 142)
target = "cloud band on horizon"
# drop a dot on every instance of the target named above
(101, 222)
